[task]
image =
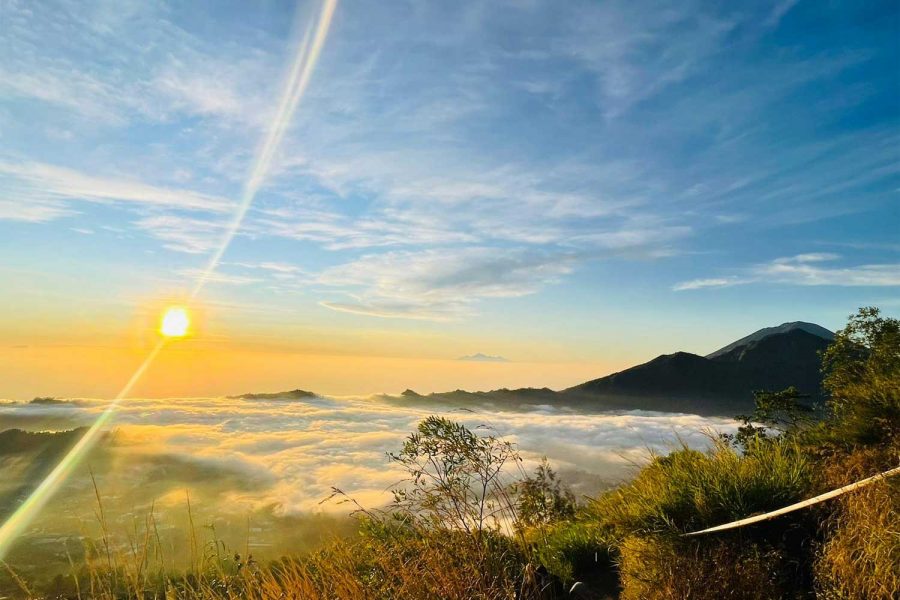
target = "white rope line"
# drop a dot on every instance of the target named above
(799, 505)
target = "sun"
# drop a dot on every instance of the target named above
(175, 322)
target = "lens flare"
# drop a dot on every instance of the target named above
(294, 86)
(175, 322)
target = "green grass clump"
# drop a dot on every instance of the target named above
(689, 490)
(580, 549)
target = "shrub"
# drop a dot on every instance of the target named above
(542, 499)
(862, 377)
(690, 490)
(455, 478)
(578, 550)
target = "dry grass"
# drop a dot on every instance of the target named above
(654, 568)
(396, 555)
(861, 559)
(381, 563)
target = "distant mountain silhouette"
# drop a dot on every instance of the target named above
(290, 395)
(722, 382)
(18, 441)
(479, 357)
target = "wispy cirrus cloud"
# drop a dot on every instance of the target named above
(805, 270)
(53, 186)
(220, 277)
(711, 282)
(621, 131)
(181, 233)
(637, 53)
(440, 285)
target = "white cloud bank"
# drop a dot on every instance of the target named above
(303, 448)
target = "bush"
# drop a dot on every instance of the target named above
(690, 490)
(862, 377)
(578, 550)
(542, 499)
(860, 559)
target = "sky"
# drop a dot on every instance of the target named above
(575, 187)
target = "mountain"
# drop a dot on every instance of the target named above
(720, 383)
(479, 357)
(290, 395)
(812, 328)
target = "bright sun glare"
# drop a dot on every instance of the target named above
(175, 322)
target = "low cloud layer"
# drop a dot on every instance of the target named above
(294, 452)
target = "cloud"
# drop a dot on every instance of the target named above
(20, 207)
(602, 131)
(812, 257)
(799, 271)
(51, 187)
(441, 284)
(183, 234)
(142, 66)
(336, 232)
(293, 452)
(803, 269)
(279, 267)
(779, 10)
(697, 284)
(219, 277)
(637, 53)
(81, 92)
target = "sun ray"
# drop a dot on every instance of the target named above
(294, 88)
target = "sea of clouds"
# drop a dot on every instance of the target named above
(289, 454)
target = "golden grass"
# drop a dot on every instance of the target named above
(861, 558)
(655, 568)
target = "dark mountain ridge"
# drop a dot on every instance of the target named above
(720, 383)
(756, 336)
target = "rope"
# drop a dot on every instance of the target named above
(799, 505)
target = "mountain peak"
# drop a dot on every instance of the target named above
(480, 357)
(721, 383)
(765, 332)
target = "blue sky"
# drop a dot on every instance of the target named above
(532, 179)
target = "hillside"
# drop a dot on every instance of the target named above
(720, 383)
